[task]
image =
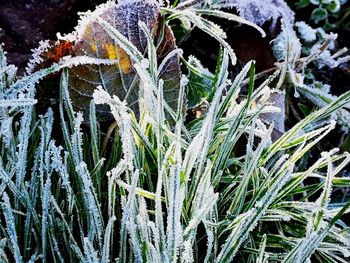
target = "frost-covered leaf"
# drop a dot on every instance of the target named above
(94, 38)
(258, 11)
(200, 82)
(319, 14)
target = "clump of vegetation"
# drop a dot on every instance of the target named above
(222, 187)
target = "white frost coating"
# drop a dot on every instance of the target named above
(11, 71)
(258, 11)
(101, 96)
(37, 58)
(196, 63)
(85, 20)
(184, 80)
(130, 2)
(287, 44)
(187, 254)
(69, 61)
(327, 59)
(96, 228)
(120, 112)
(145, 63)
(306, 32)
(11, 226)
(6, 133)
(321, 98)
(17, 103)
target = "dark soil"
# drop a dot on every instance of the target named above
(23, 23)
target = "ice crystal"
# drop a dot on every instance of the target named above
(187, 255)
(101, 96)
(37, 53)
(306, 32)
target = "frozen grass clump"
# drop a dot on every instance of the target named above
(166, 191)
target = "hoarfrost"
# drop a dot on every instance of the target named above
(120, 112)
(101, 96)
(327, 59)
(287, 45)
(37, 58)
(187, 255)
(258, 11)
(11, 227)
(306, 32)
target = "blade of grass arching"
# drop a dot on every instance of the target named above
(22, 196)
(228, 16)
(205, 25)
(197, 152)
(294, 183)
(152, 52)
(250, 166)
(95, 146)
(315, 116)
(235, 88)
(219, 78)
(307, 246)
(25, 82)
(228, 143)
(11, 228)
(261, 255)
(237, 237)
(67, 227)
(65, 102)
(202, 74)
(30, 80)
(23, 141)
(304, 148)
(247, 222)
(107, 240)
